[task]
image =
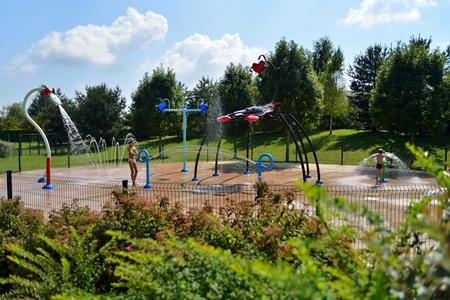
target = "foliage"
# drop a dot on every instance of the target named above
(264, 249)
(328, 63)
(62, 267)
(206, 89)
(411, 84)
(235, 92)
(299, 90)
(19, 226)
(100, 111)
(6, 149)
(11, 117)
(363, 72)
(146, 118)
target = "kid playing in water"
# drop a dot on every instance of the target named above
(380, 159)
(132, 154)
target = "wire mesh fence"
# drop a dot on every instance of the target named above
(391, 202)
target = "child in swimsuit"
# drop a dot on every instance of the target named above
(380, 159)
(132, 154)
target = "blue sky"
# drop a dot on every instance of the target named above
(71, 44)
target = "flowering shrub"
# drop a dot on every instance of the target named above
(248, 250)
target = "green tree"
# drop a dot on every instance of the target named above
(205, 90)
(100, 111)
(146, 118)
(235, 91)
(48, 115)
(328, 62)
(299, 90)
(363, 73)
(11, 117)
(410, 96)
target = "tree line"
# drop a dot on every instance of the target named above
(403, 89)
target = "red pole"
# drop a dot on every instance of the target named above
(48, 169)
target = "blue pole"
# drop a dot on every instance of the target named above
(184, 170)
(185, 110)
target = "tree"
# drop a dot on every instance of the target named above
(205, 90)
(328, 62)
(100, 111)
(364, 74)
(410, 96)
(235, 92)
(48, 115)
(146, 119)
(299, 90)
(11, 117)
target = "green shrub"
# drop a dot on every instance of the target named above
(19, 226)
(261, 250)
(57, 267)
(6, 149)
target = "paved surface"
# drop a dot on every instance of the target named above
(233, 173)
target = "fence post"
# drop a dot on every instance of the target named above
(39, 146)
(68, 156)
(445, 158)
(19, 152)
(342, 155)
(9, 184)
(117, 153)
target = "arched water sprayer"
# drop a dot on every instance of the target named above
(50, 93)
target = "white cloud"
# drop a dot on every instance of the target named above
(199, 55)
(373, 12)
(93, 44)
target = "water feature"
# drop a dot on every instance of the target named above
(392, 161)
(215, 129)
(97, 151)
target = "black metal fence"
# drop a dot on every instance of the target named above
(391, 202)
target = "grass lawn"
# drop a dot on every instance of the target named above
(356, 146)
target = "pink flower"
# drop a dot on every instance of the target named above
(174, 218)
(265, 230)
(129, 248)
(277, 229)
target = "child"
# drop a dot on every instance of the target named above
(132, 154)
(380, 159)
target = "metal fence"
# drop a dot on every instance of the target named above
(391, 202)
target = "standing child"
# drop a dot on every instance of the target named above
(132, 154)
(380, 159)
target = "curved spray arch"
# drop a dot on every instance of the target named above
(49, 93)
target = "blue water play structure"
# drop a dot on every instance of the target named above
(164, 107)
(261, 166)
(146, 159)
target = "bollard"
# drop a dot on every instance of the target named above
(445, 159)
(9, 184)
(125, 186)
(342, 155)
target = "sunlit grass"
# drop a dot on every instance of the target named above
(356, 145)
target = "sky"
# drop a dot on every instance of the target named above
(74, 44)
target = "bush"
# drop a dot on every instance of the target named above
(138, 249)
(19, 226)
(6, 149)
